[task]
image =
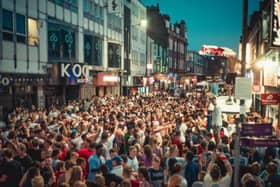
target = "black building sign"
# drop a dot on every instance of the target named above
(61, 42)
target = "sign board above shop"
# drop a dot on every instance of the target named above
(259, 129)
(75, 72)
(270, 99)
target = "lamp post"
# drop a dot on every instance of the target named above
(242, 102)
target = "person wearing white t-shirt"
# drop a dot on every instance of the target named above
(132, 159)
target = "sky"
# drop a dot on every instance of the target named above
(209, 22)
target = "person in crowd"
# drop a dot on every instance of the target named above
(132, 160)
(214, 173)
(38, 181)
(82, 163)
(30, 174)
(216, 120)
(191, 169)
(110, 178)
(117, 166)
(60, 169)
(10, 170)
(143, 177)
(63, 177)
(156, 173)
(76, 175)
(177, 180)
(147, 157)
(156, 131)
(23, 158)
(95, 161)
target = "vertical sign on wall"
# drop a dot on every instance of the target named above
(275, 24)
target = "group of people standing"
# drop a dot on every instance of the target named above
(145, 141)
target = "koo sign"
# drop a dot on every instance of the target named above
(77, 70)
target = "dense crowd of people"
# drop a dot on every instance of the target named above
(145, 141)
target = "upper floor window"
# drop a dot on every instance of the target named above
(93, 11)
(33, 33)
(9, 31)
(114, 55)
(7, 26)
(93, 50)
(69, 4)
(7, 20)
(20, 28)
(61, 42)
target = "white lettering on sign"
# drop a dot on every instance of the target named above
(4, 81)
(110, 78)
(78, 70)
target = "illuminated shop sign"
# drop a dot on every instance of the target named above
(213, 50)
(275, 24)
(77, 70)
(4, 81)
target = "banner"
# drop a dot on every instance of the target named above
(260, 129)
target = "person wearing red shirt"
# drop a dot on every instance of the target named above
(87, 152)
(60, 169)
(176, 140)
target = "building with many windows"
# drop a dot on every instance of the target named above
(169, 48)
(135, 43)
(57, 50)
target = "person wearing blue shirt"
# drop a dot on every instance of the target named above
(95, 161)
(191, 169)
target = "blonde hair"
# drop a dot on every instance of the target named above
(37, 181)
(76, 175)
(99, 179)
(177, 181)
(127, 171)
(125, 183)
(79, 184)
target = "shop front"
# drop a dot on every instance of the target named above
(66, 82)
(20, 90)
(160, 82)
(107, 83)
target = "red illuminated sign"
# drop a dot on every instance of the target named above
(270, 99)
(216, 51)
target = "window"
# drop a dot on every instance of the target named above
(33, 35)
(114, 55)
(97, 51)
(86, 5)
(7, 20)
(61, 42)
(69, 4)
(20, 28)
